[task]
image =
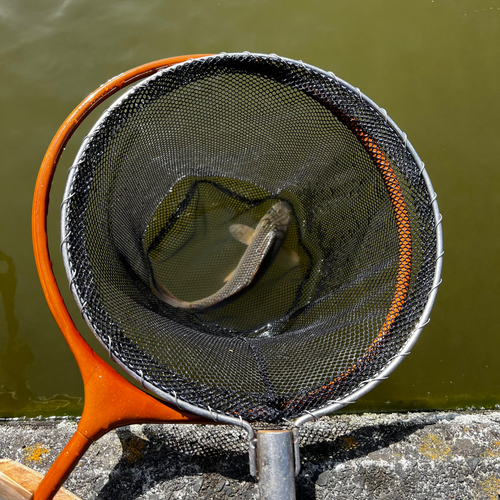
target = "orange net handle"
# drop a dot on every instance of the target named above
(110, 400)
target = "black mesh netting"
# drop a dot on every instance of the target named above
(217, 141)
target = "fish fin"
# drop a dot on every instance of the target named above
(242, 233)
(288, 257)
(229, 276)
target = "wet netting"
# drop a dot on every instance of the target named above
(218, 141)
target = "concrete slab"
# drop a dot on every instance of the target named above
(436, 455)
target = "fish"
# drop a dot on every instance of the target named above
(245, 235)
(265, 240)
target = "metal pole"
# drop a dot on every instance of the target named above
(276, 465)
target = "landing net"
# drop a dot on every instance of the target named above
(217, 141)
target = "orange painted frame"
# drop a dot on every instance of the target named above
(110, 400)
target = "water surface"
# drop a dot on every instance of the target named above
(434, 65)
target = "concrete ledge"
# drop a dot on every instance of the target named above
(433, 455)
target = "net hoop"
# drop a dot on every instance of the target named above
(403, 234)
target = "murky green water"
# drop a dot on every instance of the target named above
(435, 67)
(193, 257)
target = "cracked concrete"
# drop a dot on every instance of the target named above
(433, 455)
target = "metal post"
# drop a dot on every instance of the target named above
(276, 465)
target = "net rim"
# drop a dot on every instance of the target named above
(412, 337)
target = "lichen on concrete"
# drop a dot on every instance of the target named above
(35, 453)
(435, 455)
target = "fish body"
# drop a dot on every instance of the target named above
(245, 234)
(267, 237)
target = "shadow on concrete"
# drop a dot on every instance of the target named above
(154, 458)
(212, 462)
(322, 450)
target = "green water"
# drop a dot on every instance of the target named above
(435, 67)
